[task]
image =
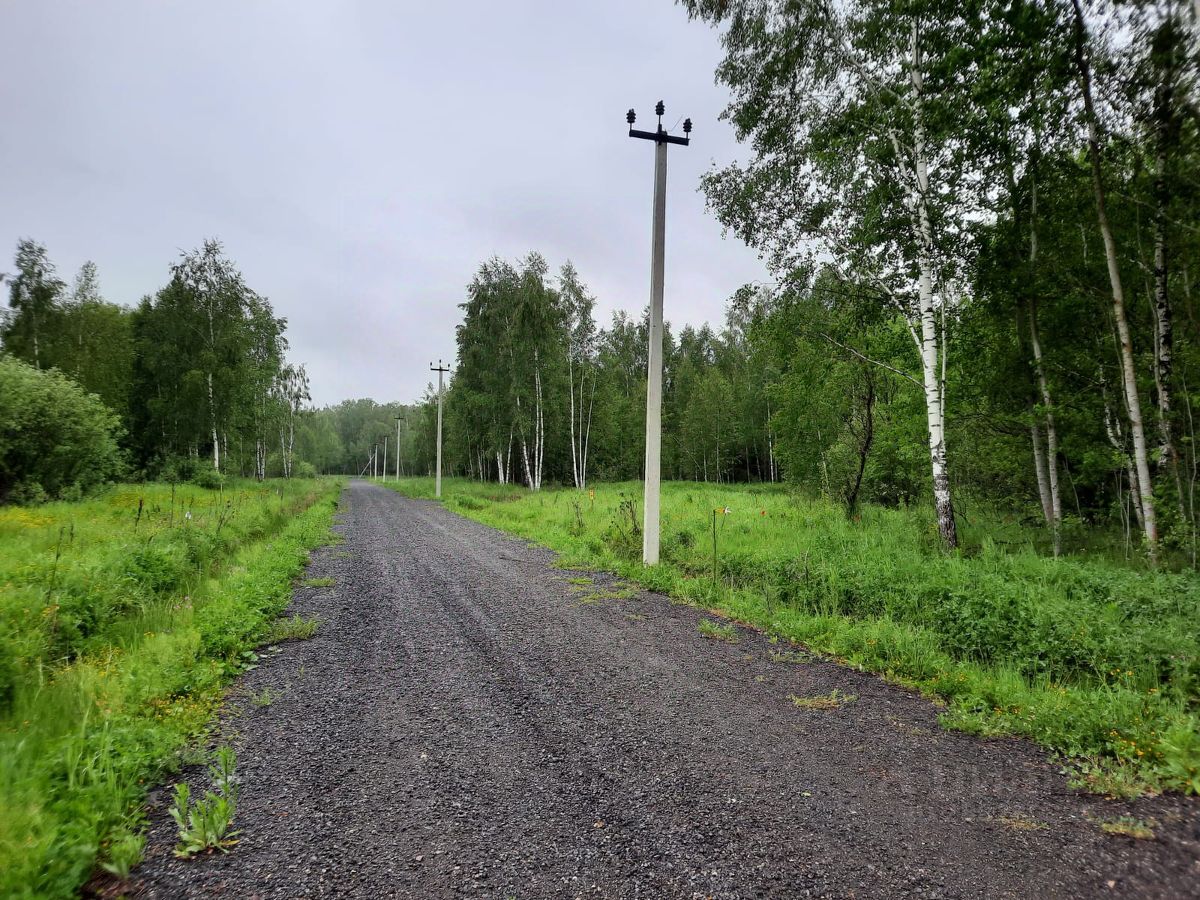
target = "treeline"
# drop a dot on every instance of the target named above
(192, 383)
(358, 437)
(541, 393)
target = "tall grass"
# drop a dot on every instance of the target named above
(1092, 657)
(120, 620)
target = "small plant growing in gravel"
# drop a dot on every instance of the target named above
(718, 631)
(266, 698)
(791, 656)
(293, 629)
(832, 700)
(1129, 827)
(124, 851)
(205, 824)
(1022, 823)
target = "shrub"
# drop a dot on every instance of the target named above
(54, 435)
(208, 478)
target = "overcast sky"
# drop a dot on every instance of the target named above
(360, 159)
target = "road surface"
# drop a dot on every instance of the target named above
(469, 723)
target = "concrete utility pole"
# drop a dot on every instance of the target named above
(399, 419)
(650, 515)
(441, 370)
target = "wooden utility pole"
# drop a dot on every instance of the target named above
(650, 513)
(441, 370)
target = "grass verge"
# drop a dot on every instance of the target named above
(121, 619)
(1094, 659)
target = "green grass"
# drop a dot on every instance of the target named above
(297, 628)
(832, 700)
(1093, 658)
(718, 631)
(1127, 826)
(121, 619)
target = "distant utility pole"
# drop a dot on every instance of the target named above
(399, 419)
(650, 517)
(441, 370)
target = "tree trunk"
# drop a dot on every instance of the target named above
(932, 341)
(587, 432)
(1165, 134)
(1133, 402)
(1051, 463)
(212, 414)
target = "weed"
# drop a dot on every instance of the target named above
(1021, 823)
(635, 617)
(1112, 778)
(580, 580)
(124, 851)
(317, 582)
(1128, 826)
(296, 628)
(832, 700)
(789, 656)
(264, 698)
(205, 824)
(721, 631)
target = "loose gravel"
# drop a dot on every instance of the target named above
(469, 723)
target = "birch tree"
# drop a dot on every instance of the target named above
(292, 393)
(580, 331)
(34, 297)
(853, 117)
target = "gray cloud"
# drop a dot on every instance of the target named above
(359, 159)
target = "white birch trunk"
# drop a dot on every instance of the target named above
(932, 340)
(212, 414)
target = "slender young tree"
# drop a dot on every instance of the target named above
(1083, 48)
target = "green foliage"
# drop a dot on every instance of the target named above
(208, 477)
(54, 437)
(120, 620)
(205, 824)
(1089, 657)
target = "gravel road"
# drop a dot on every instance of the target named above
(468, 722)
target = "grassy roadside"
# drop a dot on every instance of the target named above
(121, 618)
(1091, 658)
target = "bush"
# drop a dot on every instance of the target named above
(302, 469)
(54, 435)
(208, 478)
